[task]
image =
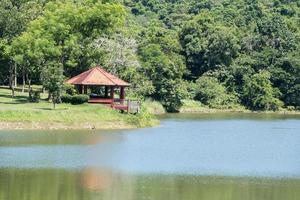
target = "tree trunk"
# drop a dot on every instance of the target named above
(49, 96)
(13, 88)
(15, 78)
(24, 82)
(29, 84)
(11, 81)
(62, 57)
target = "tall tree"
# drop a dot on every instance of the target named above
(207, 44)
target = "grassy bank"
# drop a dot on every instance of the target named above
(18, 113)
(191, 106)
(154, 107)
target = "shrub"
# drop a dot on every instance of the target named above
(210, 92)
(66, 98)
(154, 107)
(172, 93)
(79, 99)
(290, 108)
(258, 93)
(70, 89)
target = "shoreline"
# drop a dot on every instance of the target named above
(118, 125)
(215, 111)
(194, 107)
(20, 114)
(64, 126)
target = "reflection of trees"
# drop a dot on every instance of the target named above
(94, 179)
(49, 137)
(92, 183)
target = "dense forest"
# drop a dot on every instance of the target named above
(222, 53)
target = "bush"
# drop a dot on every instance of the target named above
(79, 99)
(70, 89)
(172, 93)
(66, 98)
(34, 96)
(154, 107)
(290, 108)
(258, 93)
(210, 92)
(75, 100)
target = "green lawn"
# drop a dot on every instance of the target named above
(25, 114)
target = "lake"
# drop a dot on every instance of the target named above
(187, 157)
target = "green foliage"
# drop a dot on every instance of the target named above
(79, 99)
(258, 92)
(66, 98)
(293, 95)
(172, 93)
(74, 99)
(53, 81)
(208, 44)
(210, 92)
(70, 89)
(154, 107)
(159, 55)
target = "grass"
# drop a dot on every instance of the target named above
(191, 106)
(20, 113)
(154, 107)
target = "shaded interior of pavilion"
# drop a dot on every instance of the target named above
(102, 93)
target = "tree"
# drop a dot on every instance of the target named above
(53, 81)
(210, 92)
(172, 93)
(73, 26)
(164, 71)
(29, 53)
(258, 92)
(285, 75)
(162, 63)
(207, 44)
(14, 18)
(119, 52)
(61, 35)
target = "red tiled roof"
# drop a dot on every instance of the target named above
(97, 76)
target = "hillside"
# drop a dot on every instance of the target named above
(224, 54)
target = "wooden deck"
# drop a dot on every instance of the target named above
(130, 106)
(100, 100)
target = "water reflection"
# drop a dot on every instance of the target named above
(104, 184)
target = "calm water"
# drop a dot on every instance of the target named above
(210, 157)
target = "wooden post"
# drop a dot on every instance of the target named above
(112, 93)
(85, 89)
(128, 106)
(81, 89)
(122, 93)
(78, 88)
(106, 91)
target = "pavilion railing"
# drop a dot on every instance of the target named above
(131, 105)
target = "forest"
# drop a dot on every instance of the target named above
(222, 53)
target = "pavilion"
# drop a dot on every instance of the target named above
(97, 76)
